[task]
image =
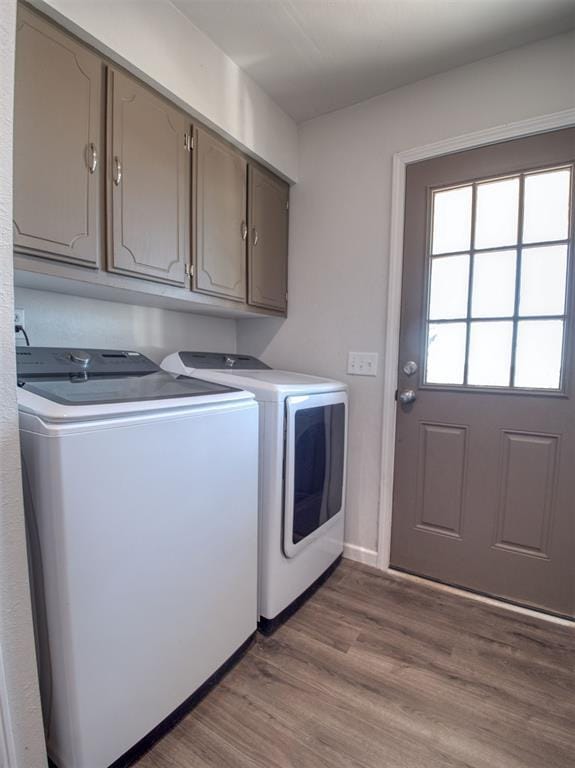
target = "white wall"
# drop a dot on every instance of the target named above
(155, 40)
(21, 732)
(54, 319)
(339, 232)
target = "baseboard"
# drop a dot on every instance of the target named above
(360, 554)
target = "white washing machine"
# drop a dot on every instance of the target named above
(303, 447)
(141, 500)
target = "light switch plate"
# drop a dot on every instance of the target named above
(362, 363)
(19, 316)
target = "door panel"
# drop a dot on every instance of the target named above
(440, 492)
(268, 242)
(221, 226)
(485, 449)
(527, 488)
(149, 183)
(57, 144)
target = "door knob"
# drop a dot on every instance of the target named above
(407, 396)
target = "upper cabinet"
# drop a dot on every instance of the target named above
(268, 240)
(57, 144)
(221, 218)
(149, 183)
(111, 175)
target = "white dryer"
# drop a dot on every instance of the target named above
(303, 447)
(142, 508)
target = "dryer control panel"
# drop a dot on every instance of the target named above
(217, 361)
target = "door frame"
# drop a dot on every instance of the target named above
(520, 129)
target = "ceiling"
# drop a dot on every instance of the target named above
(315, 56)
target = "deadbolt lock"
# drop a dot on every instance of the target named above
(410, 368)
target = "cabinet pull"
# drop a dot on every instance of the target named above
(91, 157)
(255, 236)
(244, 230)
(117, 171)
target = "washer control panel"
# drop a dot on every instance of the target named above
(61, 361)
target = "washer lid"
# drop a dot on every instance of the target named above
(83, 389)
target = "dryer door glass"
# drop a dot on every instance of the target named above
(318, 467)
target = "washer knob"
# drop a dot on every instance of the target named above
(80, 358)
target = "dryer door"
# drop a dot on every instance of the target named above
(315, 459)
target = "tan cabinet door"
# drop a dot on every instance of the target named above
(268, 240)
(221, 226)
(57, 144)
(149, 183)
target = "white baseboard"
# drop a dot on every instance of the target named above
(360, 554)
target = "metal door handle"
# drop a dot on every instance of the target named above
(91, 157)
(117, 171)
(255, 236)
(244, 230)
(407, 396)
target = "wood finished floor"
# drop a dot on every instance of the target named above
(375, 671)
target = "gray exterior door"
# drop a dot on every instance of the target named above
(484, 494)
(149, 183)
(221, 225)
(268, 240)
(57, 144)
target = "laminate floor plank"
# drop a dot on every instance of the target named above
(378, 671)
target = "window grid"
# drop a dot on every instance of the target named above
(518, 247)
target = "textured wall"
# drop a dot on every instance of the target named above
(339, 233)
(54, 319)
(21, 733)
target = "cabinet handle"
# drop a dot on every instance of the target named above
(117, 171)
(255, 236)
(91, 157)
(244, 230)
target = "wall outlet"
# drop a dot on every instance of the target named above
(19, 316)
(362, 363)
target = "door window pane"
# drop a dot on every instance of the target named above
(449, 287)
(497, 213)
(446, 353)
(543, 280)
(451, 220)
(497, 300)
(490, 347)
(539, 354)
(546, 206)
(494, 284)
